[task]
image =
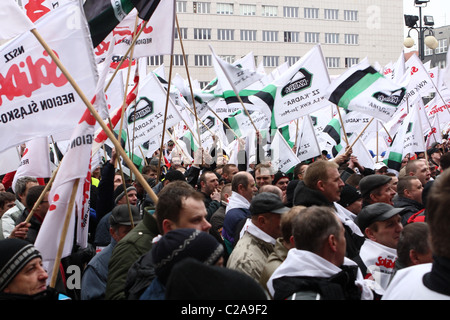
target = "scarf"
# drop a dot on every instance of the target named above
(380, 263)
(301, 263)
(237, 201)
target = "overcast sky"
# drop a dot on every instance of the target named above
(439, 9)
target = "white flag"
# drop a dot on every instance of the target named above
(13, 20)
(301, 89)
(282, 156)
(307, 143)
(35, 160)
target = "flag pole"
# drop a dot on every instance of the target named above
(62, 239)
(124, 56)
(360, 134)
(189, 80)
(221, 120)
(46, 188)
(165, 117)
(94, 112)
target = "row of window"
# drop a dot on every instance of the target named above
(269, 36)
(202, 7)
(205, 60)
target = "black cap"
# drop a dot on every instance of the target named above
(278, 176)
(369, 183)
(371, 213)
(349, 194)
(267, 202)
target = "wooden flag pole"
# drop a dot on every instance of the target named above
(62, 239)
(189, 80)
(360, 134)
(211, 109)
(46, 189)
(342, 125)
(94, 112)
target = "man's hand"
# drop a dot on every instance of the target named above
(20, 231)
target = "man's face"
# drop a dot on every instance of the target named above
(231, 172)
(250, 190)
(27, 187)
(385, 194)
(272, 225)
(6, 207)
(341, 245)
(282, 183)
(117, 181)
(211, 183)
(263, 177)
(30, 280)
(423, 172)
(132, 197)
(192, 215)
(355, 207)
(415, 190)
(394, 183)
(388, 232)
(332, 187)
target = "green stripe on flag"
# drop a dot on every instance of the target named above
(358, 88)
(394, 160)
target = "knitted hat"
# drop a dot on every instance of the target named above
(349, 194)
(278, 175)
(119, 193)
(179, 244)
(14, 255)
(211, 283)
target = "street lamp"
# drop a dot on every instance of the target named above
(411, 22)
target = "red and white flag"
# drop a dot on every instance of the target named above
(36, 99)
(75, 165)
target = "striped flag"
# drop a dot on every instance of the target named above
(362, 88)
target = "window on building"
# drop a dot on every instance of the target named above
(248, 9)
(155, 60)
(312, 37)
(332, 38)
(331, 14)
(224, 8)
(442, 46)
(311, 13)
(178, 59)
(427, 51)
(183, 32)
(291, 36)
(270, 61)
(181, 6)
(228, 58)
(248, 35)
(291, 60)
(332, 62)
(351, 61)
(202, 60)
(351, 39)
(350, 15)
(269, 11)
(290, 12)
(270, 36)
(225, 34)
(202, 7)
(202, 34)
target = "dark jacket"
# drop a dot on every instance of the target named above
(410, 206)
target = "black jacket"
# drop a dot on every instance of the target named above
(410, 206)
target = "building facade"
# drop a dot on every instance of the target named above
(277, 32)
(438, 56)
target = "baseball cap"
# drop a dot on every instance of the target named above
(369, 183)
(371, 213)
(265, 202)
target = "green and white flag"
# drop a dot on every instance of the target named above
(282, 157)
(361, 88)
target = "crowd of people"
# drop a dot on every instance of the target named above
(331, 229)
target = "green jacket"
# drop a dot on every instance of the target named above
(137, 242)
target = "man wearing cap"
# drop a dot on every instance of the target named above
(281, 180)
(351, 199)
(252, 251)
(376, 188)
(22, 276)
(381, 225)
(93, 283)
(102, 235)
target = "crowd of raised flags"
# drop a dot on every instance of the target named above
(378, 111)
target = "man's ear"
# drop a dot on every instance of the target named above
(319, 185)
(168, 225)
